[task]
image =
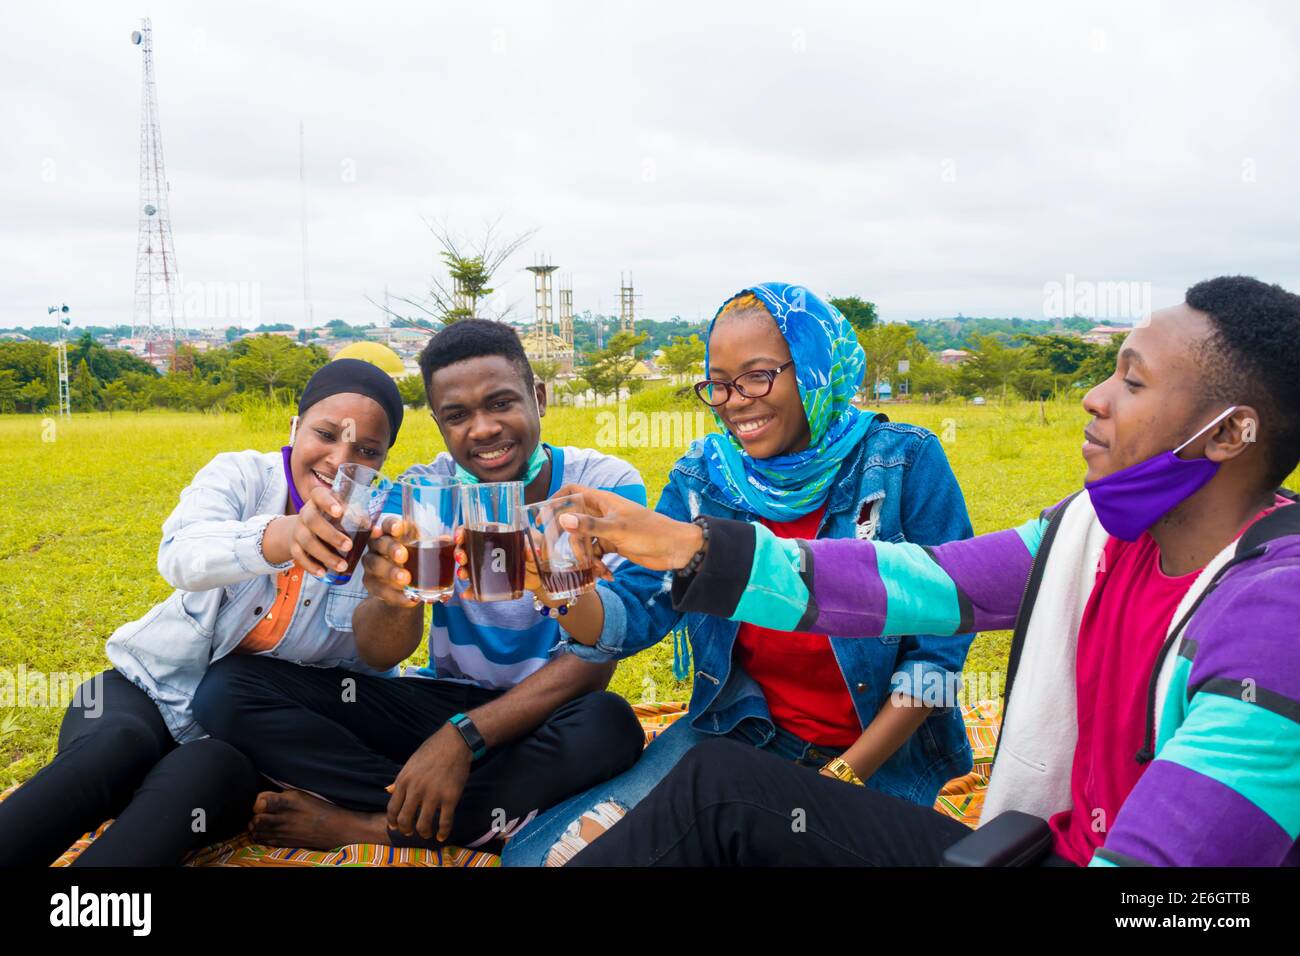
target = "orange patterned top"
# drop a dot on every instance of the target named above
(268, 631)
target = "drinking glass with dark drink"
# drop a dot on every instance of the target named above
(362, 492)
(565, 561)
(495, 526)
(430, 512)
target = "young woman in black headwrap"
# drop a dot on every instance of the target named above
(240, 552)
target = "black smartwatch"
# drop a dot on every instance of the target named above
(473, 739)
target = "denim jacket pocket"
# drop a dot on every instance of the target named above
(339, 607)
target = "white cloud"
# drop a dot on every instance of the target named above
(935, 158)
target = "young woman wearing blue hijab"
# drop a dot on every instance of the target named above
(782, 369)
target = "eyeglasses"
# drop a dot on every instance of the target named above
(754, 384)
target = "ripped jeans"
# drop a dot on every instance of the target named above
(531, 844)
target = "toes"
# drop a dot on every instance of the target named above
(267, 802)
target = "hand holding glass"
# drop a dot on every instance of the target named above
(565, 561)
(361, 491)
(430, 513)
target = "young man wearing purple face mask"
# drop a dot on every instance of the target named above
(1153, 690)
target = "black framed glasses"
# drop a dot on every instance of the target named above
(753, 384)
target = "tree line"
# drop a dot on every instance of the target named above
(102, 379)
(271, 367)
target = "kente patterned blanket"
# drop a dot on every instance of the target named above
(962, 799)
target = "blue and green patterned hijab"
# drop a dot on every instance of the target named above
(829, 365)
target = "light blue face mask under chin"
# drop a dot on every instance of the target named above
(535, 462)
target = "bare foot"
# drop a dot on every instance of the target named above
(297, 819)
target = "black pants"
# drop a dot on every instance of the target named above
(344, 736)
(728, 804)
(117, 759)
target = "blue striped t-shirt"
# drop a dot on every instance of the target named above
(497, 644)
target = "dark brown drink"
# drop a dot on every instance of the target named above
(496, 562)
(432, 565)
(569, 583)
(359, 541)
(353, 555)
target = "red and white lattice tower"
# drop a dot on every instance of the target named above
(156, 278)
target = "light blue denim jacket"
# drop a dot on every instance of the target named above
(896, 485)
(211, 552)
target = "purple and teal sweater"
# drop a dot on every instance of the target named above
(1223, 785)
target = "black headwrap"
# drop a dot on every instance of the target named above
(358, 377)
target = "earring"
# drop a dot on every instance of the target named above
(293, 429)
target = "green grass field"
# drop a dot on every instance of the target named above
(81, 508)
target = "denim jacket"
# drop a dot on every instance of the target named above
(896, 485)
(211, 552)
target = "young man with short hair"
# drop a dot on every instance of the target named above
(1153, 695)
(501, 723)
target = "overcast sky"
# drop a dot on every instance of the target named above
(935, 158)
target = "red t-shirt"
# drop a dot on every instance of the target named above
(798, 673)
(1125, 623)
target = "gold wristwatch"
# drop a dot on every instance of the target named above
(840, 770)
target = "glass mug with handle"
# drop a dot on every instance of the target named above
(494, 531)
(430, 515)
(565, 561)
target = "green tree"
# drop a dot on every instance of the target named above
(10, 390)
(105, 364)
(610, 370)
(116, 396)
(35, 394)
(471, 264)
(1060, 354)
(929, 377)
(1100, 365)
(411, 388)
(885, 345)
(571, 389)
(214, 365)
(84, 389)
(861, 315)
(28, 360)
(545, 370)
(684, 357)
(140, 388)
(272, 361)
(991, 366)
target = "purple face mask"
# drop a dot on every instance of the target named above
(1133, 499)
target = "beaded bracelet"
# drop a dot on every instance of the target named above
(545, 611)
(698, 558)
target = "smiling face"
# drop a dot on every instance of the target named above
(1153, 402)
(774, 424)
(488, 416)
(341, 428)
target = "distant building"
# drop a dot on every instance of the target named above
(1102, 334)
(953, 356)
(401, 338)
(646, 373)
(15, 336)
(557, 350)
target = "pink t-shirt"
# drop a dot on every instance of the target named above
(1124, 624)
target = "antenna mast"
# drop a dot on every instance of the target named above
(155, 258)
